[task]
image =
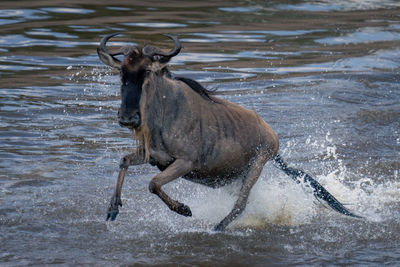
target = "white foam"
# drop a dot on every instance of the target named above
(277, 200)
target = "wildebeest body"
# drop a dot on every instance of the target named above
(188, 133)
(186, 125)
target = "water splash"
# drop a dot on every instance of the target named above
(277, 200)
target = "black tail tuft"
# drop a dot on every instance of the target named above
(319, 190)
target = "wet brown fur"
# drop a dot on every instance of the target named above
(220, 123)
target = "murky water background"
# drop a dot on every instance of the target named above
(323, 74)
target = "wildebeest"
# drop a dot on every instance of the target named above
(187, 132)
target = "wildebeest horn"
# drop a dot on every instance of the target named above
(109, 58)
(151, 51)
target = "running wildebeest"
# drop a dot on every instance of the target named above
(187, 132)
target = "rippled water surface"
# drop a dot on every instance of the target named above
(324, 74)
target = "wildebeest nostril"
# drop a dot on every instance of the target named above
(130, 121)
(135, 117)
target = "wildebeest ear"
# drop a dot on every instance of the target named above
(105, 56)
(162, 59)
(153, 53)
(108, 59)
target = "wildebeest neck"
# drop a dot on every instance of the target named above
(198, 88)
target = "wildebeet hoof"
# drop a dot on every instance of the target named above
(184, 210)
(219, 228)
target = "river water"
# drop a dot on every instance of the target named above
(324, 74)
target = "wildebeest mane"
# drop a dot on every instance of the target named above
(198, 88)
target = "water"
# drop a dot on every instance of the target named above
(323, 74)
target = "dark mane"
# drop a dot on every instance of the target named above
(198, 88)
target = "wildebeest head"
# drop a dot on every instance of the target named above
(133, 71)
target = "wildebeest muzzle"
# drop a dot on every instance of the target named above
(131, 121)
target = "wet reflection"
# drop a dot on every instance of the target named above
(339, 5)
(11, 16)
(364, 35)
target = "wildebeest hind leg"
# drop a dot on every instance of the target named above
(177, 169)
(131, 159)
(249, 181)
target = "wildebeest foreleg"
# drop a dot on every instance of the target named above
(177, 169)
(131, 159)
(249, 181)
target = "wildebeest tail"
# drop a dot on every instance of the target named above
(319, 191)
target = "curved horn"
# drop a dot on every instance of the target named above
(105, 56)
(151, 52)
